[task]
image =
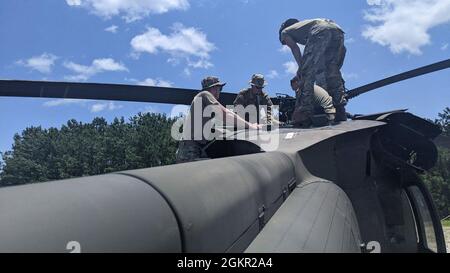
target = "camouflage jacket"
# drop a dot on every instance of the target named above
(246, 97)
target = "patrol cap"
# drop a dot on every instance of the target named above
(258, 80)
(211, 81)
(289, 22)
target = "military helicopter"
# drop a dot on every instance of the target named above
(368, 197)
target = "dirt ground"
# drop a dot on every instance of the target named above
(447, 237)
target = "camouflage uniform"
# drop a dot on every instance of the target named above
(329, 75)
(321, 62)
(248, 97)
(322, 103)
(189, 148)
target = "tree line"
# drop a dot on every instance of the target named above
(438, 178)
(83, 149)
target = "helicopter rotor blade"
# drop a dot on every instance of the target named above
(99, 91)
(399, 77)
(169, 95)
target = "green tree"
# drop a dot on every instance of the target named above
(444, 121)
(438, 182)
(438, 178)
(78, 149)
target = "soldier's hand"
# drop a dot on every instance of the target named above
(255, 126)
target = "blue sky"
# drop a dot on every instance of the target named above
(178, 42)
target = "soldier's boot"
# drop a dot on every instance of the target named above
(341, 115)
(302, 117)
(336, 88)
(339, 102)
(331, 118)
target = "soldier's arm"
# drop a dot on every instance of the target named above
(233, 118)
(294, 48)
(229, 117)
(268, 100)
(239, 100)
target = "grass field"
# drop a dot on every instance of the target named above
(446, 228)
(446, 223)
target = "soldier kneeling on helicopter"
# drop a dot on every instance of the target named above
(206, 111)
(322, 102)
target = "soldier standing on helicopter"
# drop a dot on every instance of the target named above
(321, 62)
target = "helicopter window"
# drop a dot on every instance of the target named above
(424, 219)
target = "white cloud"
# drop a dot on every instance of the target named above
(403, 25)
(290, 67)
(183, 43)
(149, 109)
(273, 74)
(284, 49)
(94, 108)
(155, 82)
(187, 72)
(130, 10)
(73, 2)
(444, 46)
(61, 102)
(112, 29)
(110, 106)
(302, 48)
(98, 107)
(350, 76)
(173, 61)
(202, 63)
(43, 63)
(350, 40)
(84, 72)
(179, 110)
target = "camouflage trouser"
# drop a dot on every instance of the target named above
(328, 75)
(322, 60)
(189, 150)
